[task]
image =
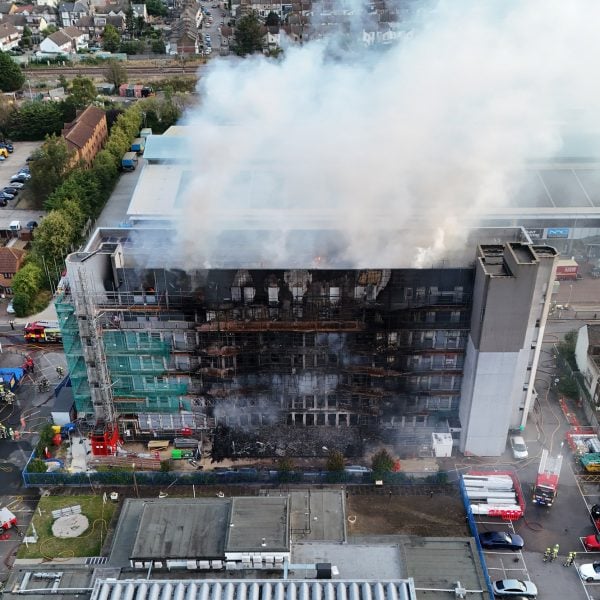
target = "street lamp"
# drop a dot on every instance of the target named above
(569, 299)
(135, 482)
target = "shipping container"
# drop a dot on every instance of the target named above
(567, 269)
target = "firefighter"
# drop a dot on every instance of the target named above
(547, 554)
(555, 551)
(570, 559)
(60, 371)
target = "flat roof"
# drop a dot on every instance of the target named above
(317, 515)
(434, 563)
(181, 528)
(258, 524)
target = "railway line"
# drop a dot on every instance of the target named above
(91, 70)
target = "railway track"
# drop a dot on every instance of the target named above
(99, 70)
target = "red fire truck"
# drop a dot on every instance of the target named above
(546, 484)
(42, 332)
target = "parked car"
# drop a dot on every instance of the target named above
(10, 190)
(17, 185)
(7, 196)
(518, 447)
(509, 588)
(10, 309)
(356, 469)
(21, 177)
(9, 147)
(589, 571)
(501, 540)
(592, 542)
(31, 225)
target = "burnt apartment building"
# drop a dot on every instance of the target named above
(399, 353)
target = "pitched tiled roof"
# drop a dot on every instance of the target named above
(60, 38)
(72, 32)
(11, 259)
(80, 130)
(7, 29)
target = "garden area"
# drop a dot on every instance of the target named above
(80, 534)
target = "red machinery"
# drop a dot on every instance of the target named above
(546, 484)
(7, 519)
(105, 439)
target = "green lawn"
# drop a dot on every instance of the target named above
(88, 544)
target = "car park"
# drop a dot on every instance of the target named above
(589, 572)
(509, 588)
(592, 542)
(518, 447)
(501, 540)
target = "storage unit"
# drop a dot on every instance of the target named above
(567, 270)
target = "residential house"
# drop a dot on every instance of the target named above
(86, 135)
(239, 8)
(79, 37)
(69, 12)
(48, 13)
(9, 37)
(271, 38)
(18, 21)
(11, 260)
(7, 8)
(587, 356)
(184, 37)
(57, 43)
(95, 24)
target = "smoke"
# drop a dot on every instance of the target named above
(384, 156)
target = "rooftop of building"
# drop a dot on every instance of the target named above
(180, 528)
(161, 189)
(258, 524)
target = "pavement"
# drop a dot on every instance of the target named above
(115, 210)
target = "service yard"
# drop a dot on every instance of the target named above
(436, 515)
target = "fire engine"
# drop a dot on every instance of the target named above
(43, 331)
(546, 483)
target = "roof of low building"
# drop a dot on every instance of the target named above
(593, 336)
(73, 32)
(258, 524)
(179, 528)
(59, 38)
(78, 132)
(7, 29)
(11, 259)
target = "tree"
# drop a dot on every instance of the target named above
(83, 92)
(34, 120)
(115, 73)
(11, 76)
(335, 461)
(132, 47)
(54, 237)
(36, 465)
(272, 20)
(567, 348)
(140, 25)
(156, 8)
(158, 47)
(382, 462)
(50, 167)
(26, 40)
(248, 36)
(130, 20)
(7, 107)
(26, 284)
(111, 39)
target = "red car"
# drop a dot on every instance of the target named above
(592, 542)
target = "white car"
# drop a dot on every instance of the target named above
(10, 309)
(17, 185)
(518, 447)
(589, 571)
(505, 588)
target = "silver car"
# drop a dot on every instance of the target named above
(506, 588)
(518, 447)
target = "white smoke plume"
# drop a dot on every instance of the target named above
(393, 151)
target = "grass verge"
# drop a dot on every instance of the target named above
(89, 543)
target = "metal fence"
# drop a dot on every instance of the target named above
(475, 534)
(119, 477)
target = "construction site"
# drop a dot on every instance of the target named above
(268, 362)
